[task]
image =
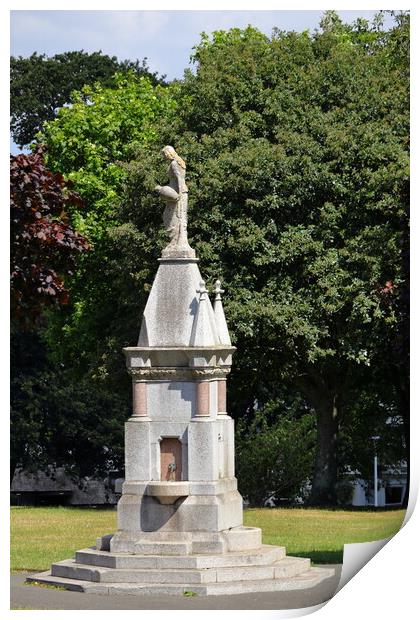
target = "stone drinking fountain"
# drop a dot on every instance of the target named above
(180, 517)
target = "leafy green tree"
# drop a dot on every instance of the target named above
(59, 422)
(302, 156)
(297, 155)
(373, 414)
(274, 458)
(54, 414)
(89, 140)
(40, 85)
(92, 143)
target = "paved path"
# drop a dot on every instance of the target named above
(36, 597)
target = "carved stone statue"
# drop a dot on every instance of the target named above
(175, 194)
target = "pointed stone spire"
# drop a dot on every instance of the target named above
(219, 314)
(204, 331)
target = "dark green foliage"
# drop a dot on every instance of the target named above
(274, 459)
(297, 164)
(57, 421)
(303, 157)
(372, 412)
(40, 85)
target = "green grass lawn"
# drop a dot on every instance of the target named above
(321, 533)
(40, 536)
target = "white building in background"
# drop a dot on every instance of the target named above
(391, 488)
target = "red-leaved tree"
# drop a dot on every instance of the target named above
(43, 243)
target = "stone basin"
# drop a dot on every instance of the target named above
(168, 492)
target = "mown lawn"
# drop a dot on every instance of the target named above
(321, 534)
(40, 536)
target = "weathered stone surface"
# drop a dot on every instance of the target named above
(103, 542)
(168, 492)
(137, 450)
(267, 554)
(161, 548)
(219, 314)
(173, 401)
(289, 567)
(203, 541)
(139, 398)
(178, 363)
(306, 579)
(175, 196)
(134, 487)
(213, 487)
(173, 304)
(241, 538)
(204, 330)
(227, 455)
(203, 450)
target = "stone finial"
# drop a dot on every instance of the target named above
(219, 314)
(204, 330)
(218, 290)
(201, 290)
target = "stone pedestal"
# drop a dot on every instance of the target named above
(179, 442)
(180, 514)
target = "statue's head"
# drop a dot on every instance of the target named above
(170, 153)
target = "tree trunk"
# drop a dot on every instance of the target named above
(13, 465)
(323, 490)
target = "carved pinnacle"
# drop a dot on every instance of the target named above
(218, 290)
(202, 289)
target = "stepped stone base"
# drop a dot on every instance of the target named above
(158, 568)
(180, 543)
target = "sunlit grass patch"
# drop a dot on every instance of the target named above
(41, 536)
(321, 533)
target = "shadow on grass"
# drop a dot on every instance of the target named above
(321, 557)
(333, 508)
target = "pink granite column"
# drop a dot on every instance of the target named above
(221, 396)
(203, 398)
(139, 398)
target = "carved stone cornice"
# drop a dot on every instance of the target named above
(178, 373)
(182, 357)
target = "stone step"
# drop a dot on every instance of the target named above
(291, 566)
(286, 567)
(69, 568)
(145, 547)
(209, 547)
(308, 579)
(266, 554)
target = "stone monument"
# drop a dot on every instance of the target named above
(180, 526)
